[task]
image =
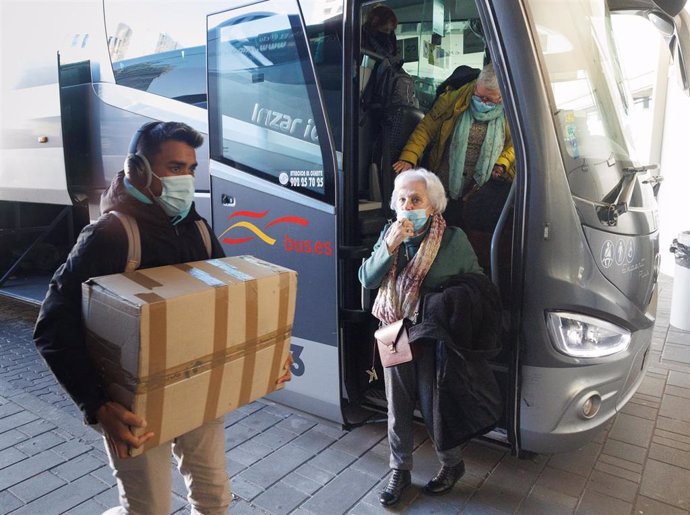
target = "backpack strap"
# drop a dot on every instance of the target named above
(205, 236)
(133, 240)
(129, 223)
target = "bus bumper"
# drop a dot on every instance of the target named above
(552, 400)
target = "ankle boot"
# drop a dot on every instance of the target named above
(444, 479)
(399, 480)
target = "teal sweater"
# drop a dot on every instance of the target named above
(455, 256)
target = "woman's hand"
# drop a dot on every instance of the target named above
(499, 172)
(399, 231)
(117, 423)
(401, 166)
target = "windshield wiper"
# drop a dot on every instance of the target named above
(610, 211)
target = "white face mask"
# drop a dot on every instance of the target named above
(177, 195)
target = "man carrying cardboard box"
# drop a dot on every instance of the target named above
(156, 188)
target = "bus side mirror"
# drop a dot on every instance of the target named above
(682, 54)
(676, 32)
(670, 7)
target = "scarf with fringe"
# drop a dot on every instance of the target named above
(398, 297)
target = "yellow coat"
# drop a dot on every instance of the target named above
(438, 126)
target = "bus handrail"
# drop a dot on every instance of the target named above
(496, 235)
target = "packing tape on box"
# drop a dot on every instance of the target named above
(283, 306)
(215, 272)
(189, 369)
(220, 332)
(158, 336)
(142, 280)
(229, 269)
(251, 324)
(220, 337)
(154, 386)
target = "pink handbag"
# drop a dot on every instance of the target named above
(394, 344)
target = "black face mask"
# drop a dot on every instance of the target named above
(386, 42)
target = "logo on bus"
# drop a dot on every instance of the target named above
(253, 219)
(607, 254)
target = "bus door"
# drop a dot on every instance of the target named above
(443, 46)
(273, 169)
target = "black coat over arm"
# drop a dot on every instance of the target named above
(463, 321)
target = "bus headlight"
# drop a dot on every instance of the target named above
(585, 337)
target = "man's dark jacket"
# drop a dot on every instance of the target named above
(463, 319)
(101, 249)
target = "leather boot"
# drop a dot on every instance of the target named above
(400, 479)
(444, 479)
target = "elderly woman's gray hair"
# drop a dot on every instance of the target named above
(488, 78)
(434, 188)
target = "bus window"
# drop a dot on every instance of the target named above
(177, 74)
(593, 106)
(166, 57)
(639, 47)
(264, 123)
(432, 60)
(434, 39)
(433, 42)
(326, 49)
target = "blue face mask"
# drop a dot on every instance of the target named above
(480, 106)
(177, 195)
(418, 217)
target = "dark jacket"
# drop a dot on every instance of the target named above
(463, 319)
(101, 249)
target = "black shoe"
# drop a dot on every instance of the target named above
(444, 479)
(400, 479)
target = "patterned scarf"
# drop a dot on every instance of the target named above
(489, 153)
(399, 297)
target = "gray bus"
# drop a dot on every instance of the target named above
(299, 171)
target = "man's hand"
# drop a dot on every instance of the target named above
(117, 423)
(288, 373)
(401, 166)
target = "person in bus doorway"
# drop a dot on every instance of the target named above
(413, 255)
(471, 147)
(156, 189)
(378, 31)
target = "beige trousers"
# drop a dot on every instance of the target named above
(145, 481)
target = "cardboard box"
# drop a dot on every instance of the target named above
(183, 344)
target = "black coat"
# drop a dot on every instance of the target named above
(463, 321)
(101, 249)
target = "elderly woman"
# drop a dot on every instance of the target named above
(469, 139)
(413, 255)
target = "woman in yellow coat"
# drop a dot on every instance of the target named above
(470, 141)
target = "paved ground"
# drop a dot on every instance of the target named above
(282, 461)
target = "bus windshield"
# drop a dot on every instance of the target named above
(589, 99)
